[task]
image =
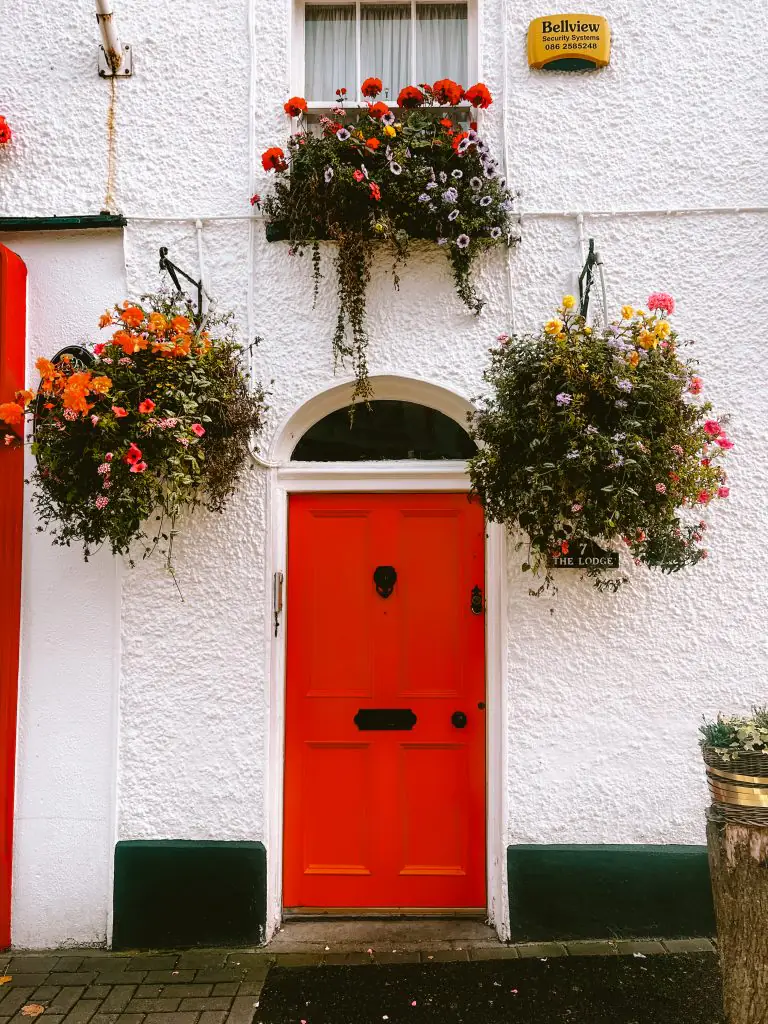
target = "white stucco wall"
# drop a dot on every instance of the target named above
(606, 693)
(67, 742)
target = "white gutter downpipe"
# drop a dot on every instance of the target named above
(113, 50)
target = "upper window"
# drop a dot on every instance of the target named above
(400, 43)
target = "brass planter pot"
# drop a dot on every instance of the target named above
(738, 786)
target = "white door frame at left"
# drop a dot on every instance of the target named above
(293, 477)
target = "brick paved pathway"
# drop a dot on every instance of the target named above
(220, 986)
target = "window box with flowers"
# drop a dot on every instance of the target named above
(600, 434)
(159, 420)
(377, 176)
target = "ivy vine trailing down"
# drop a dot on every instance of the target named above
(161, 421)
(600, 434)
(374, 174)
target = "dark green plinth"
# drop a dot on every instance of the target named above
(179, 893)
(585, 892)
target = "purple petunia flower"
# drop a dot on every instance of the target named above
(563, 398)
(342, 134)
(462, 241)
(486, 201)
(463, 146)
(388, 118)
(624, 385)
(450, 195)
(423, 198)
(620, 403)
(442, 241)
(453, 215)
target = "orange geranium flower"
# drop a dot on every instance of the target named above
(409, 97)
(273, 159)
(378, 110)
(25, 397)
(45, 368)
(157, 323)
(373, 143)
(182, 343)
(132, 316)
(126, 341)
(479, 96)
(371, 87)
(181, 325)
(447, 91)
(295, 106)
(101, 385)
(105, 319)
(11, 413)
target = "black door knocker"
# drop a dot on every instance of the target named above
(385, 577)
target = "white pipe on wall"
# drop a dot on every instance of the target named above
(105, 17)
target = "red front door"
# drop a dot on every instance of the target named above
(385, 721)
(12, 327)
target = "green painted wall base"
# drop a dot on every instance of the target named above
(586, 892)
(178, 893)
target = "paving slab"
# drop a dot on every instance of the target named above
(681, 989)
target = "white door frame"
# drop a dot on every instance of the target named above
(285, 478)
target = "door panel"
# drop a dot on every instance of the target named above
(13, 276)
(384, 818)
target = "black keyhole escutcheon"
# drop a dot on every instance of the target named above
(385, 577)
(458, 719)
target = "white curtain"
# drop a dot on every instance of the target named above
(441, 43)
(329, 48)
(385, 46)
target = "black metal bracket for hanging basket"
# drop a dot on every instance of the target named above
(174, 272)
(586, 278)
(78, 357)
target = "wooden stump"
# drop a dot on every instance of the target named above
(738, 863)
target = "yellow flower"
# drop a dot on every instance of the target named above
(587, 330)
(561, 336)
(398, 125)
(640, 312)
(662, 329)
(647, 340)
(360, 135)
(389, 130)
(553, 326)
(568, 302)
(626, 312)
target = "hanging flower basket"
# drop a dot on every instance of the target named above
(735, 751)
(376, 175)
(159, 420)
(600, 435)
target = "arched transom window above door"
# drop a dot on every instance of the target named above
(384, 430)
(339, 44)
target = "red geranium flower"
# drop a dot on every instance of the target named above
(255, 199)
(133, 455)
(458, 138)
(479, 96)
(371, 87)
(295, 106)
(410, 97)
(146, 406)
(373, 143)
(375, 190)
(119, 411)
(341, 92)
(5, 132)
(378, 109)
(447, 92)
(274, 159)
(446, 122)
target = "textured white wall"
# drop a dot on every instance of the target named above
(66, 762)
(606, 693)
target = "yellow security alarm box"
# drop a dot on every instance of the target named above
(569, 42)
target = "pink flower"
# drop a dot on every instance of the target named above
(696, 385)
(576, 507)
(95, 419)
(108, 457)
(138, 467)
(102, 501)
(661, 488)
(713, 428)
(104, 468)
(724, 443)
(723, 492)
(98, 349)
(125, 361)
(70, 414)
(503, 338)
(146, 406)
(197, 428)
(133, 455)
(358, 175)
(662, 301)
(184, 441)
(677, 449)
(705, 553)
(119, 411)
(107, 484)
(9, 438)
(703, 497)
(107, 359)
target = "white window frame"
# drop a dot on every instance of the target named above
(298, 55)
